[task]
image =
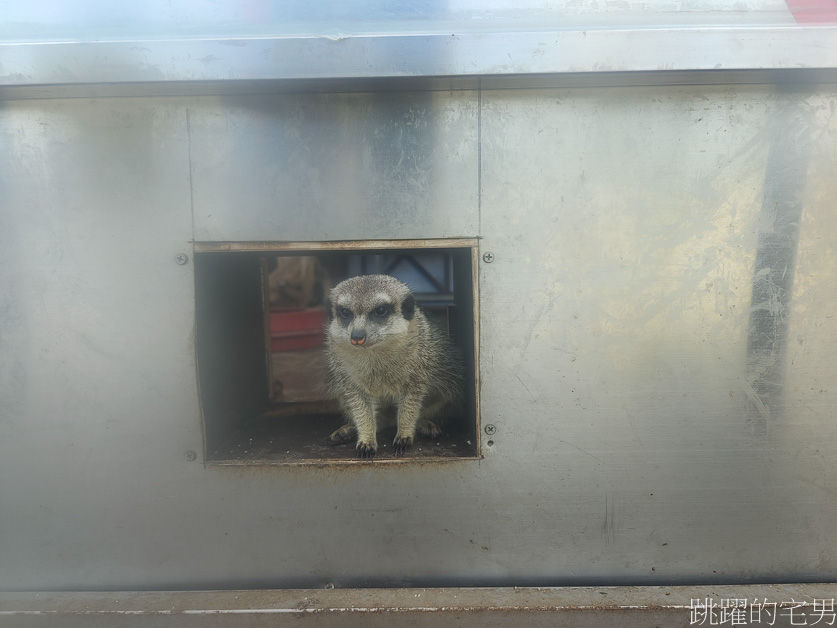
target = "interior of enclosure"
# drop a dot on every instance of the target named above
(261, 320)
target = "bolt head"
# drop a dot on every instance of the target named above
(490, 430)
(488, 257)
(191, 456)
(181, 259)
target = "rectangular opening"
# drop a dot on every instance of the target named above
(261, 320)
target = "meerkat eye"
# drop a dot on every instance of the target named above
(382, 310)
(344, 312)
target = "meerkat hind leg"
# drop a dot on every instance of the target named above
(342, 434)
(433, 415)
(428, 428)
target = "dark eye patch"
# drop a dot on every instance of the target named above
(344, 313)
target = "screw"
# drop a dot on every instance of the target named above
(490, 429)
(488, 257)
(191, 456)
(182, 258)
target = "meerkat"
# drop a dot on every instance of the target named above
(381, 353)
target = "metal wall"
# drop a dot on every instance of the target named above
(335, 166)
(51, 47)
(657, 336)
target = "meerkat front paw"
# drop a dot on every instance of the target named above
(401, 444)
(365, 450)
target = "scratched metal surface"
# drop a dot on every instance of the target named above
(653, 425)
(335, 166)
(662, 305)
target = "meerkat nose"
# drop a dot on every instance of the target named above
(358, 337)
(358, 341)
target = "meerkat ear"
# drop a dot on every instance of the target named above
(329, 310)
(408, 307)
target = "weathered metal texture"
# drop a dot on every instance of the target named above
(653, 424)
(546, 50)
(785, 605)
(98, 396)
(335, 166)
(182, 41)
(662, 304)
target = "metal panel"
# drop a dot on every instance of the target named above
(161, 42)
(180, 46)
(386, 55)
(635, 437)
(335, 166)
(97, 369)
(628, 228)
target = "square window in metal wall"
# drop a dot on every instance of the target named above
(262, 318)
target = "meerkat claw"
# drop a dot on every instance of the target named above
(401, 445)
(365, 451)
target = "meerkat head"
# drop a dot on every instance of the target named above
(370, 310)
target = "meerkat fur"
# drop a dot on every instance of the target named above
(383, 353)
